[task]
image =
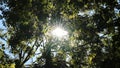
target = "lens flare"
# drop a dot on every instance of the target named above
(59, 32)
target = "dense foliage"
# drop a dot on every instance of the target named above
(93, 27)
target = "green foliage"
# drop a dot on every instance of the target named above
(1, 53)
(7, 66)
(93, 40)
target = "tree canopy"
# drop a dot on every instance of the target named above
(92, 25)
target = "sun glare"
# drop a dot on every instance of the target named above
(59, 32)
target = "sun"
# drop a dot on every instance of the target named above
(59, 32)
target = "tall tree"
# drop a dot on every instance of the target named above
(23, 29)
(93, 32)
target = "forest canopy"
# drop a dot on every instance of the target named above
(90, 27)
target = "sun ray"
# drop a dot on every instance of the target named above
(59, 32)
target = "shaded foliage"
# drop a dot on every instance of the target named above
(93, 40)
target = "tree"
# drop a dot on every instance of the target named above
(93, 32)
(23, 29)
(98, 32)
